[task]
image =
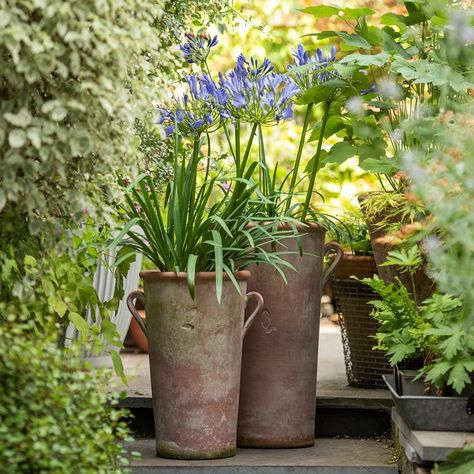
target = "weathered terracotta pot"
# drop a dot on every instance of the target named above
(279, 364)
(195, 349)
(424, 285)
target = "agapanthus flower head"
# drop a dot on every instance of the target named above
(197, 47)
(318, 64)
(257, 94)
(198, 111)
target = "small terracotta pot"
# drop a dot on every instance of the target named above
(195, 349)
(137, 333)
(279, 365)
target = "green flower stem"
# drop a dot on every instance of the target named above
(239, 185)
(262, 169)
(294, 175)
(317, 158)
(238, 164)
(249, 146)
(193, 170)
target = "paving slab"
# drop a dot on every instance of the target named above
(327, 456)
(429, 446)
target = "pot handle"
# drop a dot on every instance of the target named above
(250, 319)
(136, 295)
(332, 246)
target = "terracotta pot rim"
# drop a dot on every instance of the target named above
(304, 227)
(360, 258)
(159, 275)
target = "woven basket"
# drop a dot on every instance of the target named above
(364, 366)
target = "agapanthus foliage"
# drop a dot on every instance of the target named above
(197, 47)
(317, 70)
(257, 94)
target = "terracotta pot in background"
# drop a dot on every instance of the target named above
(195, 350)
(279, 364)
(137, 333)
(424, 285)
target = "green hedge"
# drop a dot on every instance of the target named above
(55, 414)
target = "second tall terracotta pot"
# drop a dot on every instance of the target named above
(279, 362)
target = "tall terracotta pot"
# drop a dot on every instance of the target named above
(279, 364)
(195, 350)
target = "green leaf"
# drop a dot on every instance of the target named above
(355, 13)
(333, 125)
(354, 40)
(390, 45)
(118, 366)
(60, 307)
(375, 165)
(459, 377)
(191, 273)
(22, 119)
(323, 35)
(3, 199)
(79, 322)
(219, 262)
(108, 330)
(58, 114)
(34, 135)
(367, 59)
(340, 152)
(322, 11)
(17, 138)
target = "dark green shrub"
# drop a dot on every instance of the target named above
(55, 413)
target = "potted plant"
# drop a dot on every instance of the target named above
(201, 232)
(433, 358)
(256, 95)
(396, 68)
(351, 297)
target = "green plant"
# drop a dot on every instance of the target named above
(202, 223)
(413, 60)
(54, 289)
(430, 331)
(460, 461)
(444, 183)
(56, 413)
(353, 234)
(452, 345)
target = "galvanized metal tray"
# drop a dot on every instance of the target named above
(432, 413)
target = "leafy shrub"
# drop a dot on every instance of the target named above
(55, 413)
(73, 79)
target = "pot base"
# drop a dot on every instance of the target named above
(268, 444)
(164, 451)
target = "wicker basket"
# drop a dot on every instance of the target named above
(364, 366)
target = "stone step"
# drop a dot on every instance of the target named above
(327, 456)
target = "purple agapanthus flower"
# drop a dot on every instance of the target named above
(197, 47)
(199, 111)
(318, 64)
(257, 94)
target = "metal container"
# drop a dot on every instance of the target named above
(195, 350)
(432, 413)
(279, 364)
(364, 366)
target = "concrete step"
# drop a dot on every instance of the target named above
(327, 456)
